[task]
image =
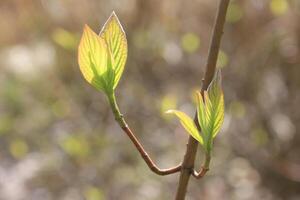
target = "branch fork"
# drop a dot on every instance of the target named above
(186, 168)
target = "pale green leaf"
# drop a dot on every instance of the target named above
(201, 114)
(188, 124)
(115, 38)
(210, 110)
(92, 59)
(216, 97)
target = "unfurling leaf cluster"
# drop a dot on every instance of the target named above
(102, 57)
(210, 114)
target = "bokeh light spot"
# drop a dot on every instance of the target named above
(234, 13)
(6, 124)
(222, 59)
(237, 109)
(65, 39)
(60, 109)
(167, 102)
(279, 7)
(190, 42)
(93, 193)
(76, 146)
(260, 136)
(18, 148)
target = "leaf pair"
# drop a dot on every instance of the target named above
(210, 114)
(102, 57)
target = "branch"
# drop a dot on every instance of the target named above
(190, 154)
(204, 168)
(121, 121)
(147, 158)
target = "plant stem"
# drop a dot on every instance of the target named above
(204, 167)
(115, 109)
(191, 150)
(121, 121)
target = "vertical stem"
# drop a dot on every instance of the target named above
(191, 151)
(187, 168)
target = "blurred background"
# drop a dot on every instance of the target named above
(58, 138)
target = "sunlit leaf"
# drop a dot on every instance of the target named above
(201, 114)
(210, 110)
(115, 38)
(188, 124)
(92, 58)
(216, 97)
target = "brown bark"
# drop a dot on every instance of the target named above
(147, 158)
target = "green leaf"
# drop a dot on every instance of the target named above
(210, 110)
(201, 114)
(216, 97)
(102, 57)
(188, 124)
(115, 38)
(93, 59)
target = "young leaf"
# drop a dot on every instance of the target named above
(115, 38)
(210, 111)
(201, 114)
(216, 97)
(92, 58)
(188, 124)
